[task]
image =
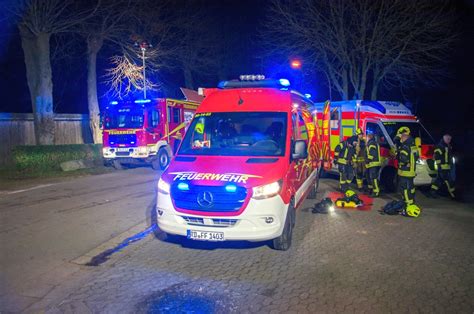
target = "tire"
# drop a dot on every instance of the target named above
(389, 179)
(162, 161)
(117, 164)
(283, 242)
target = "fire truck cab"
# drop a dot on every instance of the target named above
(248, 160)
(339, 120)
(144, 131)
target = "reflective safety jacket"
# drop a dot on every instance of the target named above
(373, 154)
(443, 156)
(407, 157)
(343, 154)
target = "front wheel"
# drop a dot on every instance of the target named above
(283, 242)
(162, 161)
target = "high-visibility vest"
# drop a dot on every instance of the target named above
(443, 156)
(373, 154)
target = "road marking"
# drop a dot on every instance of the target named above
(25, 190)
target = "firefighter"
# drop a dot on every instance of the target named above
(360, 159)
(373, 163)
(444, 162)
(344, 155)
(407, 155)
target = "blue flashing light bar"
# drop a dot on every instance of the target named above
(183, 186)
(142, 101)
(231, 188)
(284, 82)
(113, 102)
(307, 96)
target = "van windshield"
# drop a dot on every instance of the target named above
(416, 130)
(236, 134)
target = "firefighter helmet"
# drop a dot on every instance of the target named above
(199, 128)
(403, 130)
(359, 131)
(349, 193)
(412, 210)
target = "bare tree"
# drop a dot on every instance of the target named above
(151, 25)
(361, 45)
(39, 20)
(111, 23)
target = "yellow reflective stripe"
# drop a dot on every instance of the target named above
(438, 161)
(348, 122)
(445, 167)
(374, 146)
(373, 164)
(342, 161)
(403, 152)
(446, 155)
(376, 186)
(434, 187)
(406, 173)
(438, 150)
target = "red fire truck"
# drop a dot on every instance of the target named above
(144, 130)
(339, 120)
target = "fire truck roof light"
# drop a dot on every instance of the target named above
(114, 102)
(142, 101)
(201, 91)
(183, 186)
(284, 82)
(252, 77)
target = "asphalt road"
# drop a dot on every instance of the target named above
(344, 261)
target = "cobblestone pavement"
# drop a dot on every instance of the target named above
(345, 261)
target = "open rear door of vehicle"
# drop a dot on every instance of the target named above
(325, 136)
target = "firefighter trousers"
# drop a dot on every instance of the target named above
(346, 175)
(360, 172)
(407, 189)
(373, 179)
(444, 177)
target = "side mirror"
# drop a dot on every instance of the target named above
(299, 150)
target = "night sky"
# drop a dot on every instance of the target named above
(446, 108)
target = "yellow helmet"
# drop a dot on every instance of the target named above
(350, 193)
(359, 131)
(403, 130)
(199, 128)
(413, 210)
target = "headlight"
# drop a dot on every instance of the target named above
(266, 191)
(163, 187)
(142, 149)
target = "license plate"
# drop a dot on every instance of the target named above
(123, 149)
(205, 235)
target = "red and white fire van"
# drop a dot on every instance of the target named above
(247, 161)
(144, 130)
(339, 120)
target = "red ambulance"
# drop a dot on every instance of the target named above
(144, 130)
(248, 160)
(339, 120)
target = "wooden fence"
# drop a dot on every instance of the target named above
(18, 129)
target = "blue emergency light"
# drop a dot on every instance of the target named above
(231, 188)
(307, 96)
(113, 102)
(142, 101)
(183, 186)
(284, 82)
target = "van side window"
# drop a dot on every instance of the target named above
(334, 123)
(379, 135)
(299, 127)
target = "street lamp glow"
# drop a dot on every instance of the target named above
(295, 64)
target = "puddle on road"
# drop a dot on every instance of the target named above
(181, 299)
(104, 256)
